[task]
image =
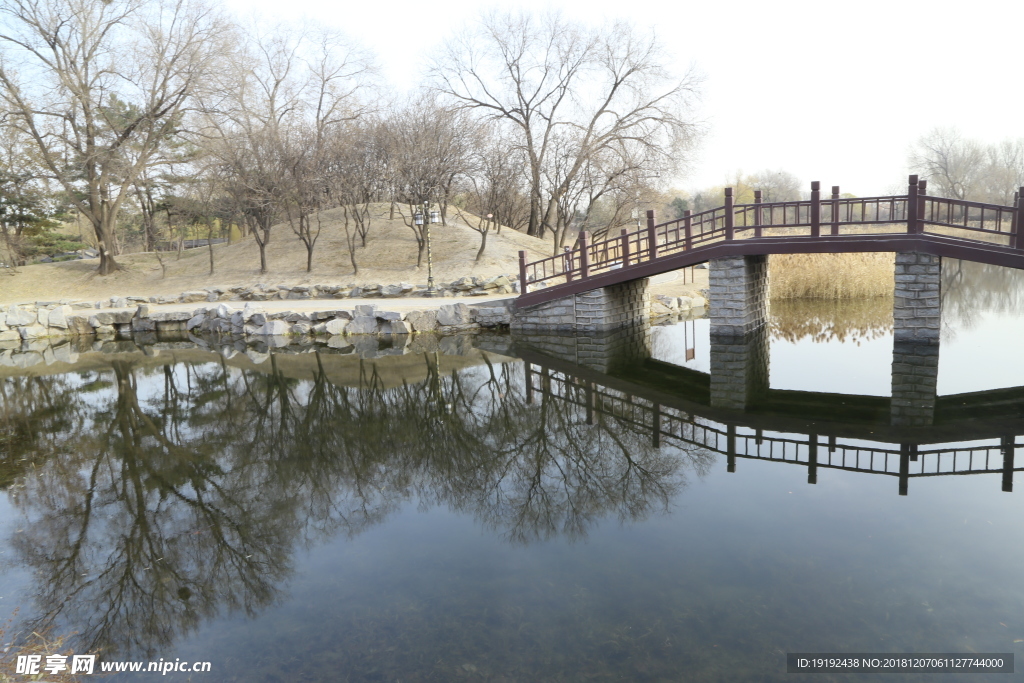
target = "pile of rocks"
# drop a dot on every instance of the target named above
(465, 286)
(63, 320)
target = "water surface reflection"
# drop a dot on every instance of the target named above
(158, 495)
(551, 509)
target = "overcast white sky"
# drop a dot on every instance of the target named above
(830, 91)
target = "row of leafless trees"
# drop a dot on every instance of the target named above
(962, 168)
(171, 113)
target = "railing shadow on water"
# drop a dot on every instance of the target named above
(744, 418)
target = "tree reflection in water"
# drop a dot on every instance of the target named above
(827, 320)
(969, 288)
(158, 498)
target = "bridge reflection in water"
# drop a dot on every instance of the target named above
(734, 412)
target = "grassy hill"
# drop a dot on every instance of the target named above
(389, 257)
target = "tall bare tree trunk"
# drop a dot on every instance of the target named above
(209, 242)
(483, 245)
(105, 245)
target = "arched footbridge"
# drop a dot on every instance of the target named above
(914, 223)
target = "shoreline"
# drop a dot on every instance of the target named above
(23, 354)
(283, 317)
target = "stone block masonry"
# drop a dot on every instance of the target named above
(601, 351)
(739, 368)
(915, 375)
(739, 295)
(608, 308)
(916, 310)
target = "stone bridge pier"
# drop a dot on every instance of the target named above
(739, 332)
(917, 320)
(739, 368)
(740, 291)
(599, 310)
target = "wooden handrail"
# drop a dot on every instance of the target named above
(916, 210)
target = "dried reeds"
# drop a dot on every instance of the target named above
(831, 276)
(824, 320)
(41, 644)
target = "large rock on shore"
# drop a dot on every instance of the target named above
(336, 326)
(170, 316)
(454, 314)
(422, 321)
(58, 317)
(362, 324)
(274, 328)
(79, 324)
(17, 316)
(105, 318)
(33, 332)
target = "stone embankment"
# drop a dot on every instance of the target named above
(44, 320)
(122, 317)
(465, 286)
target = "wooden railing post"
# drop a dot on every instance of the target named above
(584, 254)
(522, 272)
(1018, 233)
(688, 229)
(912, 204)
(728, 213)
(757, 213)
(567, 263)
(922, 190)
(652, 235)
(625, 248)
(815, 208)
(835, 209)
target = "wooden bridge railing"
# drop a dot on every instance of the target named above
(915, 213)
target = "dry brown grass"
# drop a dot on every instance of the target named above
(34, 644)
(389, 257)
(831, 276)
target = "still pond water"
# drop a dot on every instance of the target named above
(367, 515)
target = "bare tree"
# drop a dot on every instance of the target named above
(100, 87)
(271, 121)
(490, 191)
(551, 76)
(954, 165)
(1004, 173)
(775, 186)
(429, 146)
(355, 168)
(330, 99)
